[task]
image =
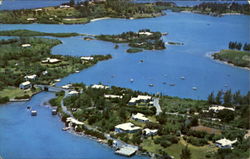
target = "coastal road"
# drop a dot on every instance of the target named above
(157, 105)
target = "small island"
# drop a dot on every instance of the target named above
(234, 55)
(143, 39)
(26, 62)
(160, 125)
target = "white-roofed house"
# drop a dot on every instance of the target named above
(51, 60)
(110, 96)
(73, 92)
(145, 33)
(126, 128)
(25, 85)
(225, 143)
(30, 77)
(140, 117)
(217, 108)
(133, 101)
(26, 45)
(31, 19)
(140, 98)
(87, 58)
(99, 86)
(149, 132)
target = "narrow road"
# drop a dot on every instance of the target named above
(157, 105)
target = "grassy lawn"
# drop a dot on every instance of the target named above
(198, 152)
(13, 92)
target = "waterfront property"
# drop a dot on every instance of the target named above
(99, 86)
(225, 143)
(25, 85)
(126, 128)
(126, 151)
(140, 117)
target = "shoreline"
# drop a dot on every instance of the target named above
(210, 55)
(98, 19)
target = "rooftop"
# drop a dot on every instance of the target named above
(112, 96)
(226, 142)
(26, 83)
(140, 116)
(72, 120)
(99, 86)
(219, 107)
(126, 151)
(127, 127)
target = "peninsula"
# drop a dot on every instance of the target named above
(27, 61)
(157, 125)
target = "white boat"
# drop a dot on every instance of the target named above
(183, 78)
(66, 128)
(151, 85)
(194, 88)
(131, 80)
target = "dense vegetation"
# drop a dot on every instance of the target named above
(238, 46)
(238, 58)
(33, 33)
(144, 39)
(220, 8)
(17, 61)
(83, 12)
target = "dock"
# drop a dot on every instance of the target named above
(126, 151)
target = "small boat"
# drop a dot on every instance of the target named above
(113, 76)
(194, 88)
(66, 128)
(53, 112)
(225, 85)
(77, 71)
(131, 80)
(172, 84)
(182, 78)
(164, 82)
(28, 107)
(33, 113)
(141, 61)
(151, 85)
(164, 33)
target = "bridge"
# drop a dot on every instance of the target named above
(50, 88)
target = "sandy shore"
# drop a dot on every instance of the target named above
(96, 19)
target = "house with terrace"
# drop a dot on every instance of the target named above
(141, 99)
(127, 128)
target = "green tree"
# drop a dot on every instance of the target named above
(185, 153)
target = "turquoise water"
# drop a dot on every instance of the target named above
(201, 35)
(41, 136)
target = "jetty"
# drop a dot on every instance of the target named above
(126, 151)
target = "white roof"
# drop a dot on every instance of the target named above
(67, 86)
(226, 142)
(133, 99)
(72, 120)
(126, 150)
(51, 60)
(26, 45)
(150, 131)
(145, 33)
(39, 9)
(112, 96)
(26, 83)
(73, 92)
(87, 58)
(99, 86)
(143, 97)
(30, 76)
(64, 6)
(219, 107)
(139, 116)
(30, 19)
(127, 127)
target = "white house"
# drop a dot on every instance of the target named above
(45, 72)
(64, 6)
(126, 128)
(30, 77)
(74, 121)
(31, 19)
(25, 85)
(140, 117)
(217, 108)
(99, 86)
(225, 143)
(67, 86)
(73, 92)
(140, 98)
(145, 33)
(110, 96)
(149, 132)
(51, 60)
(87, 58)
(26, 45)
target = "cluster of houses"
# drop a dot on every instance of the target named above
(142, 100)
(131, 128)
